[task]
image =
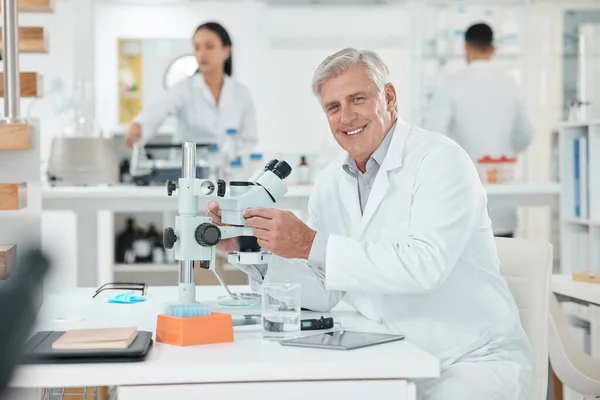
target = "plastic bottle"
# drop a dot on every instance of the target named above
(228, 152)
(460, 26)
(256, 163)
(214, 162)
(509, 35)
(442, 34)
(303, 172)
(235, 170)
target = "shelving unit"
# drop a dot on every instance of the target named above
(35, 6)
(439, 43)
(31, 84)
(579, 145)
(32, 39)
(20, 180)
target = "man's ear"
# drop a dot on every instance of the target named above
(391, 100)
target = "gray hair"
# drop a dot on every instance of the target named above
(347, 58)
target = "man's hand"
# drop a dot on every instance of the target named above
(225, 245)
(280, 232)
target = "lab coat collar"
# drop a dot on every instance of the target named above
(348, 190)
(479, 63)
(395, 153)
(382, 155)
(200, 83)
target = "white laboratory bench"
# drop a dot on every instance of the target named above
(250, 367)
(88, 201)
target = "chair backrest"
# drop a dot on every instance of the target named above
(576, 369)
(527, 267)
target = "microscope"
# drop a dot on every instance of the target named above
(195, 237)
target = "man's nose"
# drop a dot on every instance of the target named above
(347, 115)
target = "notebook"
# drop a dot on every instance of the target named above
(103, 338)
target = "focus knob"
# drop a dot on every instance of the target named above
(207, 235)
(171, 187)
(169, 238)
(221, 187)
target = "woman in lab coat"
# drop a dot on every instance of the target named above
(206, 104)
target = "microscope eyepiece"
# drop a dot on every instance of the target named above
(282, 170)
(271, 164)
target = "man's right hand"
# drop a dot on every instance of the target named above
(225, 245)
(133, 135)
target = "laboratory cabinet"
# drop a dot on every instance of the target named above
(384, 389)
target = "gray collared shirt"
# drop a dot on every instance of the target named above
(364, 183)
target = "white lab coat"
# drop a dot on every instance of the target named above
(481, 109)
(199, 118)
(421, 261)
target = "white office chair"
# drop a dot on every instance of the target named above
(573, 367)
(527, 267)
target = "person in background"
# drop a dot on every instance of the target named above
(480, 108)
(206, 104)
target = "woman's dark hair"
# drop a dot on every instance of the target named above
(224, 36)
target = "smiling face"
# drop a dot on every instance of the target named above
(210, 52)
(358, 114)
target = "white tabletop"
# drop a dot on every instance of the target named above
(144, 192)
(154, 198)
(584, 291)
(248, 358)
(134, 192)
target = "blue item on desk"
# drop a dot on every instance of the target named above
(126, 298)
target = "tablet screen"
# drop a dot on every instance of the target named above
(342, 340)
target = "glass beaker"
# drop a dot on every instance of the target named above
(280, 310)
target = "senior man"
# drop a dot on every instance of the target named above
(399, 229)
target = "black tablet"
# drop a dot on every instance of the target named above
(38, 350)
(342, 340)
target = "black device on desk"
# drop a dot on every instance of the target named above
(316, 324)
(39, 350)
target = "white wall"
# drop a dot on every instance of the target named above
(275, 53)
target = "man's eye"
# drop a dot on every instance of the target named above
(359, 99)
(332, 108)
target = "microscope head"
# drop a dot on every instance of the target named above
(195, 237)
(264, 189)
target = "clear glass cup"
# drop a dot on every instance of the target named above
(280, 310)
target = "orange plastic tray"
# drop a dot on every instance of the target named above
(191, 331)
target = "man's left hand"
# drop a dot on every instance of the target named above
(280, 232)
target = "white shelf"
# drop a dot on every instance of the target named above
(578, 311)
(582, 221)
(146, 268)
(580, 197)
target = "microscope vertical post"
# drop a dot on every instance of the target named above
(187, 285)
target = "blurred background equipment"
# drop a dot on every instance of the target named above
(80, 154)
